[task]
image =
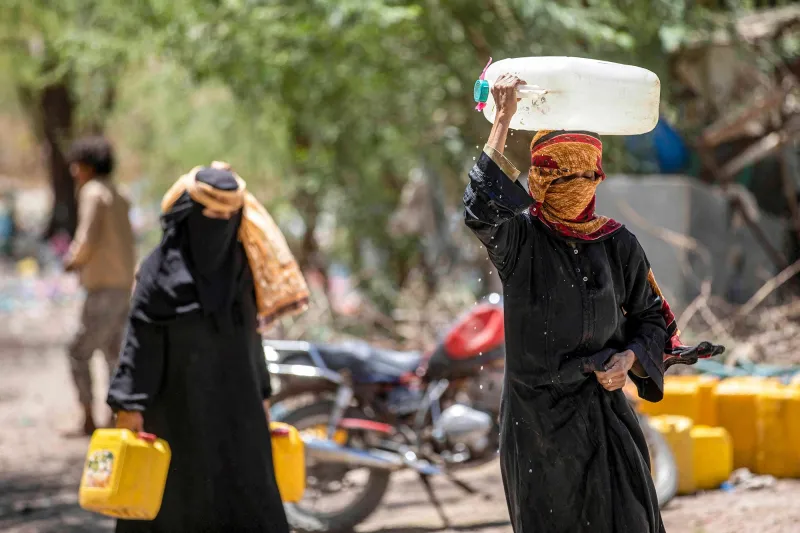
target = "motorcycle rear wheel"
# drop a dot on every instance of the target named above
(306, 521)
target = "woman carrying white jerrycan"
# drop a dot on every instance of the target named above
(583, 315)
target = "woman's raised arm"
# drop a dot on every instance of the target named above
(493, 198)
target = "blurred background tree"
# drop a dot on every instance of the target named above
(65, 59)
(325, 107)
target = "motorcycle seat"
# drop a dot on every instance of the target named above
(368, 364)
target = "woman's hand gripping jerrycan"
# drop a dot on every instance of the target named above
(572, 93)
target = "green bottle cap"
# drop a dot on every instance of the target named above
(481, 91)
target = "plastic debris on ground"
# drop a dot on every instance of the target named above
(744, 479)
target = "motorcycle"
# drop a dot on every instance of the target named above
(366, 412)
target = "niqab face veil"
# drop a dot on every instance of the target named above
(216, 256)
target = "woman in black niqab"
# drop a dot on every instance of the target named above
(192, 372)
(199, 264)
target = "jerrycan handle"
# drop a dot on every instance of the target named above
(147, 437)
(482, 87)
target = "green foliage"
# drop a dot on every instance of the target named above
(85, 44)
(171, 124)
(323, 105)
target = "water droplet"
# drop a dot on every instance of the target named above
(481, 366)
(530, 471)
(480, 279)
(473, 159)
(481, 387)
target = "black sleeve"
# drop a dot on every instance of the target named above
(492, 203)
(646, 329)
(139, 373)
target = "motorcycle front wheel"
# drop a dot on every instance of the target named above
(330, 480)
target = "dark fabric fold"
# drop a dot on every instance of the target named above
(140, 371)
(493, 203)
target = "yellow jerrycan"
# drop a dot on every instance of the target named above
(124, 474)
(289, 461)
(676, 430)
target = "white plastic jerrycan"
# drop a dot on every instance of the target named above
(572, 93)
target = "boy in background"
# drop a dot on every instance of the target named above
(103, 254)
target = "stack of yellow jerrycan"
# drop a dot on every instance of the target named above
(737, 411)
(757, 418)
(778, 432)
(677, 432)
(689, 396)
(125, 472)
(288, 458)
(712, 449)
(703, 454)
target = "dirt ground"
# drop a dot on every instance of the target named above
(39, 470)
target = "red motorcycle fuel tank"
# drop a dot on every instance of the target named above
(476, 339)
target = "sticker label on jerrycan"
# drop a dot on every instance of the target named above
(99, 466)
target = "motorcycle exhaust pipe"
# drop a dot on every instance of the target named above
(327, 451)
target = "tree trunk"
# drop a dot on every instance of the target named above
(306, 203)
(56, 115)
(51, 110)
(310, 257)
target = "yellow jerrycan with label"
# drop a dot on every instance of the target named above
(124, 474)
(289, 461)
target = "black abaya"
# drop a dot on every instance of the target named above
(573, 457)
(193, 364)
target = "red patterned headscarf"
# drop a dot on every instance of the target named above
(568, 207)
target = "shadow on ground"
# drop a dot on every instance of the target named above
(45, 504)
